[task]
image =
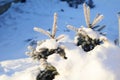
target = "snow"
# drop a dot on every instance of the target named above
(19, 69)
(93, 65)
(52, 44)
(16, 26)
(90, 32)
(101, 63)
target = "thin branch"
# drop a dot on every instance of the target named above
(72, 28)
(54, 29)
(97, 19)
(87, 14)
(60, 37)
(104, 34)
(42, 31)
(97, 26)
(101, 28)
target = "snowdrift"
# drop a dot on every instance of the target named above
(101, 63)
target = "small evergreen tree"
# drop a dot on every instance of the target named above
(42, 51)
(82, 38)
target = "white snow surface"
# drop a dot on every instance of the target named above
(88, 31)
(101, 63)
(52, 44)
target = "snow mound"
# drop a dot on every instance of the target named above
(19, 69)
(101, 63)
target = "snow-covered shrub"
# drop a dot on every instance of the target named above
(88, 37)
(49, 46)
(43, 49)
(87, 43)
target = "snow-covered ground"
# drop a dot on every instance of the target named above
(16, 32)
(102, 63)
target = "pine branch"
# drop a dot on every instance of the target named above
(104, 34)
(54, 29)
(87, 14)
(72, 28)
(42, 31)
(101, 28)
(30, 48)
(60, 37)
(97, 19)
(97, 26)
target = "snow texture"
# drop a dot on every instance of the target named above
(52, 44)
(101, 63)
